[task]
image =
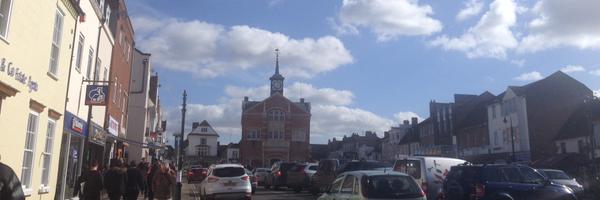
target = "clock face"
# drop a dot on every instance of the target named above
(277, 85)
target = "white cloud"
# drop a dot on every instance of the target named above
(572, 68)
(519, 62)
(388, 19)
(531, 76)
(563, 23)
(209, 50)
(472, 8)
(490, 37)
(408, 115)
(332, 114)
(597, 93)
(595, 72)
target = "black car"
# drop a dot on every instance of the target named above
(499, 182)
(278, 176)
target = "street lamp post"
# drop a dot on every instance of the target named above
(180, 149)
(512, 138)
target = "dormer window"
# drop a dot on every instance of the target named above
(276, 115)
(204, 130)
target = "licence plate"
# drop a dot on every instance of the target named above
(228, 184)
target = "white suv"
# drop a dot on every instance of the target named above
(226, 181)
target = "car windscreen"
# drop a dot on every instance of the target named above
(229, 172)
(327, 165)
(551, 174)
(390, 187)
(297, 168)
(286, 166)
(410, 167)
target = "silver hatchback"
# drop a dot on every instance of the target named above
(226, 181)
(374, 185)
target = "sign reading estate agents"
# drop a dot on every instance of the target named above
(16, 73)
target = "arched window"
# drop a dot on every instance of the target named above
(276, 115)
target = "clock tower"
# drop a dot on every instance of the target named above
(276, 79)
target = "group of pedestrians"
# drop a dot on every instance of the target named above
(122, 181)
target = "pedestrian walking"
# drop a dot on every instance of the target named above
(91, 180)
(134, 182)
(10, 186)
(151, 172)
(162, 182)
(142, 167)
(115, 180)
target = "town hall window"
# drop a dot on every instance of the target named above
(276, 115)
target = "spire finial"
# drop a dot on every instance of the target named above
(276, 61)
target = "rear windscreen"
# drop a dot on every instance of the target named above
(313, 167)
(410, 167)
(391, 187)
(327, 165)
(229, 172)
(297, 168)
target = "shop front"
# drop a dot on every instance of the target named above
(95, 151)
(74, 133)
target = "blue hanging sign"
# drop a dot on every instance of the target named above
(96, 95)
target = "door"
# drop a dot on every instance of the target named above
(347, 189)
(334, 190)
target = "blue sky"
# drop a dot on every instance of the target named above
(364, 65)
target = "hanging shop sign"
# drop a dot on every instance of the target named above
(113, 126)
(96, 95)
(6, 67)
(98, 136)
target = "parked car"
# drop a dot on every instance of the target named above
(278, 176)
(501, 181)
(361, 165)
(196, 174)
(226, 181)
(324, 175)
(261, 175)
(358, 185)
(428, 171)
(560, 177)
(299, 176)
(252, 180)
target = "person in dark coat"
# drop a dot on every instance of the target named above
(115, 180)
(163, 182)
(143, 168)
(135, 182)
(92, 184)
(10, 186)
(153, 170)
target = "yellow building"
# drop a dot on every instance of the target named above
(35, 52)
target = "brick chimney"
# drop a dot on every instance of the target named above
(301, 100)
(406, 122)
(195, 125)
(415, 121)
(246, 98)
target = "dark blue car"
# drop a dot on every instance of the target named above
(501, 182)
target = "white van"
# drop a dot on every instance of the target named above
(428, 171)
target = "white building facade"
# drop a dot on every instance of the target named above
(202, 141)
(509, 112)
